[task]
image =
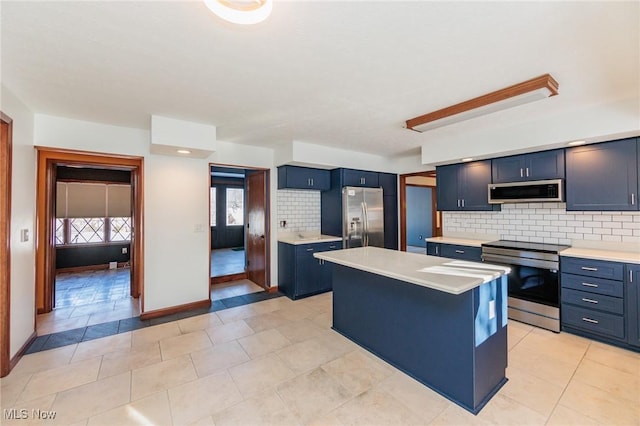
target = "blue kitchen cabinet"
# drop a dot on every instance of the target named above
(464, 187)
(632, 284)
(454, 251)
(527, 167)
(390, 203)
(389, 183)
(294, 177)
(603, 176)
(299, 273)
(363, 178)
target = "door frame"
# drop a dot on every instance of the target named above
(436, 225)
(6, 156)
(267, 206)
(48, 159)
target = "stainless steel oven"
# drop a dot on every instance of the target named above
(534, 290)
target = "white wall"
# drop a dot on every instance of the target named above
(23, 198)
(549, 223)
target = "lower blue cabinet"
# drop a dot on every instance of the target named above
(632, 283)
(454, 251)
(299, 273)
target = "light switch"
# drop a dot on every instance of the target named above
(24, 235)
(492, 309)
(198, 228)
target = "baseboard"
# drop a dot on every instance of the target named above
(22, 350)
(90, 267)
(228, 278)
(273, 289)
(175, 309)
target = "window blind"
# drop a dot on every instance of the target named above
(118, 200)
(83, 200)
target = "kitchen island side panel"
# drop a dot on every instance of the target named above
(426, 333)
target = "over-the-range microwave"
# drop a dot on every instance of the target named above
(526, 192)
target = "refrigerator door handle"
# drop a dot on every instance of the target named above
(365, 225)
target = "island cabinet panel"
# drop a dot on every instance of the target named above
(527, 167)
(299, 273)
(464, 187)
(447, 342)
(595, 300)
(603, 176)
(294, 177)
(632, 284)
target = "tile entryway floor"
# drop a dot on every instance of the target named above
(278, 362)
(227, 262)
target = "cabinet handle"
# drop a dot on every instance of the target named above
(332, 246)
(311, 181)
(458, 203)
(460, 251)
(308, 182)
(590, 285)
(521, 174)
(633, 199)
(584, 299)
(463, 203)
(630, 276)
(588, 268)
(527, 171)
(309, 249)
(436, 250)
(592, 321)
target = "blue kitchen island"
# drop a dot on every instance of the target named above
(441, 321)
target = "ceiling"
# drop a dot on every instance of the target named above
(343, 74)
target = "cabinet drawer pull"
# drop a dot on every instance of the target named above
(527, 172)
(590, 285)
(332, 246)
(460, 251)
(592, 321)
(633, 199)
(309, 249)
(630, 276)
(584, 299)
(588, 268)
(521, 174)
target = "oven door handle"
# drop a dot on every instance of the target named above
(520, 261)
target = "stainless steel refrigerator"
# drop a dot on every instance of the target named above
(362, 217)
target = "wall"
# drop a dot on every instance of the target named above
(301, 210)
(74, 256)
(549, 223)
(22, 217)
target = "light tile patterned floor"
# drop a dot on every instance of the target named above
(227, 262)
(278, 362)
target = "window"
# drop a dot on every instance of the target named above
(235, 206)
(212, 206)
(119, 229)
(86, 230)
(60, 237)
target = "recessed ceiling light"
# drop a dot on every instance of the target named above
(183, 151)
(576, 143)
(467, 159)
(245, 12)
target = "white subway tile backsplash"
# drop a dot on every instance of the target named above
(548, 223)
(300, 209)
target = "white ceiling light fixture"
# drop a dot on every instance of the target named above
(509, 97)
(183, 151)
(245, 12)
(576, 143)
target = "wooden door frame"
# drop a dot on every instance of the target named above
(403, 205)
(48, 159)
(267, 260)
(6, 155)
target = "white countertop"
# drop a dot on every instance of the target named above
(438, 273)
(296, 238)
(459, 241)
(614, 256)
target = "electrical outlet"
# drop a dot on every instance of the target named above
(283, 223)
(125, 250)
(24, 235)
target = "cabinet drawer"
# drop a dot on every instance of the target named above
(614, 305)
(592, 285)
(309, 249)
(461, 252)
(592, 268)
(596, 322)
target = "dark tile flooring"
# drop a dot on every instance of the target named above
(227, 262)
(76, 289)
(83, 334)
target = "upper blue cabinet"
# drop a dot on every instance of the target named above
(294, 177)
(351, 177)
(603, 176)
(535, 166)
(463, 186)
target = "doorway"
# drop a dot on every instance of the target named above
(66, 226)
(239, 216)
(419, 215)
(5, 242)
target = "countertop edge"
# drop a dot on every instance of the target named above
(607, 255)
(458, 241)
(320, 239)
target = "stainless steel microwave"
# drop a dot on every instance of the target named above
(526, 192)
